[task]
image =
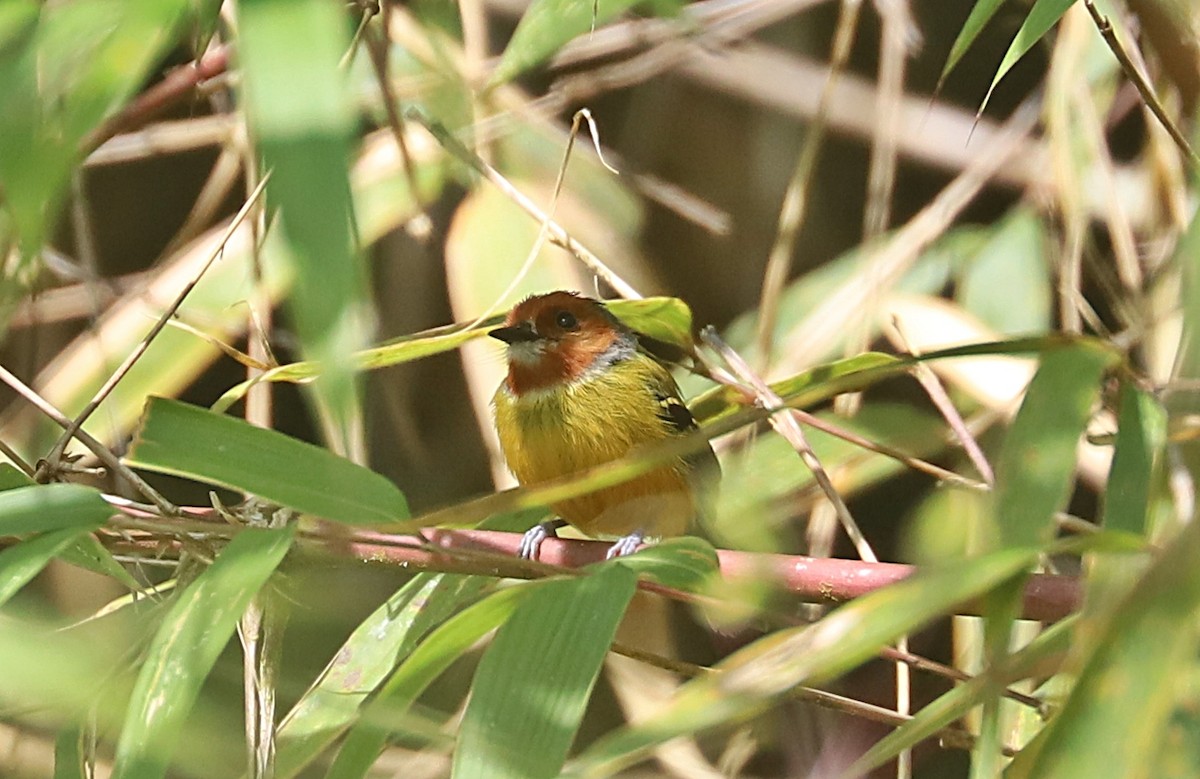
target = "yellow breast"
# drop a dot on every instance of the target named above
(555, 432)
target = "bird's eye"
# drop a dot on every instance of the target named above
(566, 320)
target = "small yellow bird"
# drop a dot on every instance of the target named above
(580, 393)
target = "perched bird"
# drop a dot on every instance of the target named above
(580, 393)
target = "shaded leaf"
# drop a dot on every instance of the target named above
(304, 136)
(981, 13)
(952, 706)
(683, 563)
(1044, 15)
(546, 26)
(21, 562)
(1008, 283)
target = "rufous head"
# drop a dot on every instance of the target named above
(559, 338)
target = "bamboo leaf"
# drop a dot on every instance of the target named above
(364, 661)
(185, 647)
(981, 13)
(534, 681)
(433, 656)
(41, 508)
(1036, 466)
(187, 441)
(1129, 687)
(1044, 15)
(750, 678)
(546, 26)
(305, 139)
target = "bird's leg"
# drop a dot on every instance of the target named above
(531, 542)
(626, 545)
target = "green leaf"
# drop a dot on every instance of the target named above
(673, 323)
(12, 477)
(433, 656)
(772, 666)
(958, 702)
(365, 660)
(304, 136)
(1141, 435)
(51, 507)
(68, 754)
(1044, 15)
(184, 440)
(683, 563)
(90, 554)
(810, 386)
(981, 14)
(185, 647)
(1113, 722)
(546, 26)
(664, 319)
(1037, 463)
(534, 681)
(66, 67)
(20, 563)
(1008, 283)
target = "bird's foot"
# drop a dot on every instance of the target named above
(531, 542)
(626, 545)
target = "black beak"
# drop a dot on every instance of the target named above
(522, 333)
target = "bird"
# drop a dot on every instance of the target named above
(581, 392)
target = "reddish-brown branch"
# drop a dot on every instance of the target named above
(177, 86)
(818, 580)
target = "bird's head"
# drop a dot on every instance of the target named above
(560, 338)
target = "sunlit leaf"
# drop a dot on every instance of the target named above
(365, 660)
(751, 677)
(185, 647)
(1131, 683)
(433, 656)
(187, 441)
(535, 679)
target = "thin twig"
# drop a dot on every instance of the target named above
(102, 452)
(795, 200)
(378, 47)
(954, 737)
(176, 87)
(941, 400)
(788, 426)
(557, 231)
(74, 427)
(1104, 25)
